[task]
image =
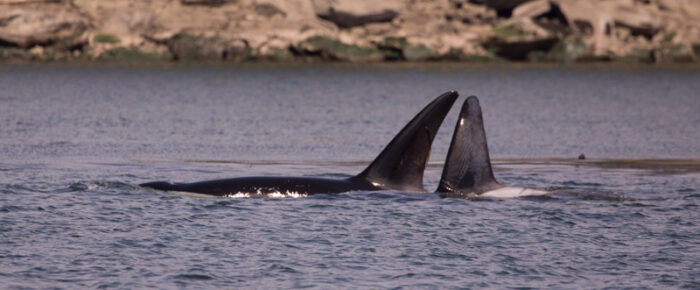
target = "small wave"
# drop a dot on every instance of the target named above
(98, 185)
(193, 277)
(10, 208)
(587, 195)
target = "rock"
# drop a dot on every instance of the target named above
(638, 55)
(531, 9)
(640, 20)
(344, 30)
(351, 13)
(417, 53)
(689, 8)
(471, 14)
(674, 54)
(517, 40)
(393, 47)
(132, 54)
(37, 51)
(289, 9)
(268, 10)
(206, 2)
(522, 49)
(331, 49)
(14, 54)
(26, 1)
(189, 47)
(503, 7)
(586, 18)
(117, 24)
(42, 24)
(613, 26)
(398, 48)
(274, 50)
(167, 18)
(280, 33)
(569, 50)
(237, 50)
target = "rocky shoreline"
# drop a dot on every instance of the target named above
(645, 31)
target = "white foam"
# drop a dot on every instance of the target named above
(512, 191)
(274, 194)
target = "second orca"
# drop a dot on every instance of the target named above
(468, 174)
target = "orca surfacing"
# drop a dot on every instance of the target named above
(467, 172)
(398, 167)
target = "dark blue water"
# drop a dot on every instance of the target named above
(75, 141)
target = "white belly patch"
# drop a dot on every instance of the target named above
(511, 192)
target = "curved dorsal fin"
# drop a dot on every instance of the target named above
(401, 164)
(468, 166)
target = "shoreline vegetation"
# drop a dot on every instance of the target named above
(347, 31)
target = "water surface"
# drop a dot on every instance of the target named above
(75, 141)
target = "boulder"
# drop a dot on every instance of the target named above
(531, 9)
(206, 2)
(688, 8)
(674, 54)
(351, 13)
(590, 20)
(468, 13)
(398, 48)
(133, 55)
(517, 40)
(640, 20)
(26, 1)
(568, 50)
(503, 7)
(335, 50)
(520, 49)
(271, 36)
(193, 47)
(169, 18)
(42, 24)
(189, 47)
(117, 24)
(290, 9)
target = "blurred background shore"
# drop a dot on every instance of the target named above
(631, 31)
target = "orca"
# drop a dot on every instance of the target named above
(398, 167)
(467, 172)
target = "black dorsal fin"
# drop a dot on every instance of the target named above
(468, 166)
(401, 164)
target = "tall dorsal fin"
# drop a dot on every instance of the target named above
(468, 166)
(401, 164)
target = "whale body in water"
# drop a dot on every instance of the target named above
(398, 167)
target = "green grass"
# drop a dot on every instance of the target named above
(106, 38)
(506, 32)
